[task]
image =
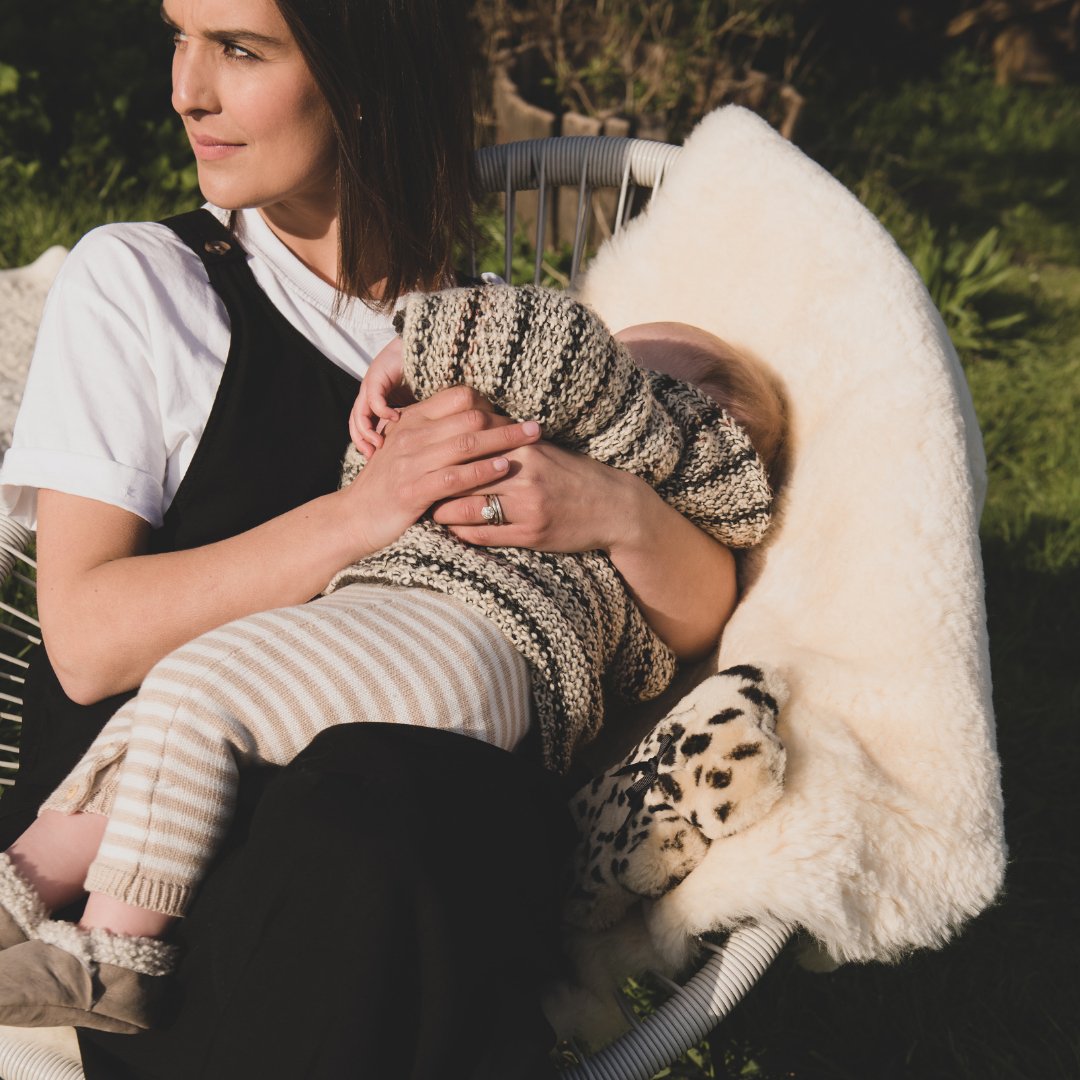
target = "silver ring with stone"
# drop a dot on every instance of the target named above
(493, 512)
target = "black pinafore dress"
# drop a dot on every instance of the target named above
(274, 439)
(387, 904)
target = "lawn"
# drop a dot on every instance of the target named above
(980, 185)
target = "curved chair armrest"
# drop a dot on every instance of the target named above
(14, 542)
(39, 1054)
(693, 1009)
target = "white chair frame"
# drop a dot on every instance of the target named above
(730, 969)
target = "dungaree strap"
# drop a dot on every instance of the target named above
(278, 427)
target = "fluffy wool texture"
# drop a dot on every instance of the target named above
(22, 297)
(146, 956)
(19, 898)
(539, 354)
(868, 596)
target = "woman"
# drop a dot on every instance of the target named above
(338, 137)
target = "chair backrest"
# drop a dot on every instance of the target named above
(18, 631)
(582, 162)
(868, 598)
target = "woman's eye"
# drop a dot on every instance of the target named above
(179, 38)
(236, 52)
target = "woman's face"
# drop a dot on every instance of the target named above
(258, 124)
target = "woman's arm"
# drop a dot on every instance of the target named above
(556, 500)
(569, 371)
(110, 611)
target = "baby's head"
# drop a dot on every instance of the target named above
(737, 384)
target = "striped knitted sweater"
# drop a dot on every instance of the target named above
(538, 354)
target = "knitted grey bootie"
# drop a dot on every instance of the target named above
(68, 976)
(21, 909)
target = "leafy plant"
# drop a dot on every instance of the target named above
(962, 278)
(84, 96)
(490, 248)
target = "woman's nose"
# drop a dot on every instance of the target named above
(193, 86)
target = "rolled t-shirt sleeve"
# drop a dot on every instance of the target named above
(91, 422)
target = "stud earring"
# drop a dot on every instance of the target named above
(359, 113)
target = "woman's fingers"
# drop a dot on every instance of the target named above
(461, 436)
(445, 447)
(552, 500)
(468, 510)
(473, 474)
(485, 533)
(455, 399)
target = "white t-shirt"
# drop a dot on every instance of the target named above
(129, 355)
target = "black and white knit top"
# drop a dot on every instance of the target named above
(538, 354)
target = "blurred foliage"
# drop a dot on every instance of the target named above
(975, 181)
(671, 59)
(84, 89)
(956, 145)
(84, 95)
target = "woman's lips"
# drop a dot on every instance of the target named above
(213, 149)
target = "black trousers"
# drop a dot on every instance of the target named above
(386, 906)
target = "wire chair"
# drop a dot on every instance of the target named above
(694, 1008)
(590, 163)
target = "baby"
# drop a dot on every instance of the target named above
(487, 641)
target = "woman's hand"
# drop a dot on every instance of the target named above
(552, 499)
(450, 444)
(110, 611)
(555, 500)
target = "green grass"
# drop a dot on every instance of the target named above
(35, 215)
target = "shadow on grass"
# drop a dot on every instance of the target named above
(1001, 1002)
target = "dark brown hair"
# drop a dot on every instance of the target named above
(405, 170)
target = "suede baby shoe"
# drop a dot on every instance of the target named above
(85, 978)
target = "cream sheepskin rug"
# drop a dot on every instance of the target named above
(22, 296)
(868, 597)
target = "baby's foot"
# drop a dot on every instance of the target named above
(724, 769)
(85, 978)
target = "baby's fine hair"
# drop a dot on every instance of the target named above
(747, 392)
(738, 383)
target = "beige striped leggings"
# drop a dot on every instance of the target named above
(257, 691)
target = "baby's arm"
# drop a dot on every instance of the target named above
(538, 354)
(382, 382)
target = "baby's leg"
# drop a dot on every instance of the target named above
(52, 856)
(258, 690)
(55, 854)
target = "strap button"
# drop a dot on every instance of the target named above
(217, 247)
